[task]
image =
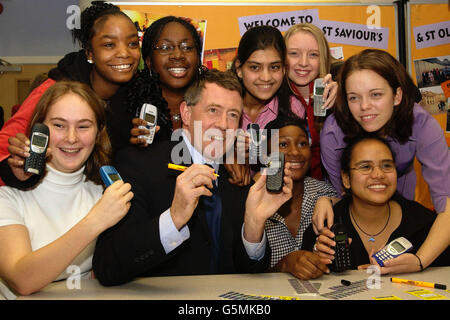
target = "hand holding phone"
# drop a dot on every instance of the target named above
(39, 138)
(275, 172)
(149, 114)
(109, 175)
(392, 250)
(318, 90)
(342, 257)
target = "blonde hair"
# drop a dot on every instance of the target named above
(101, 152)
(324, 48)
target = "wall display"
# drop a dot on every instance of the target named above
(349, 28)
(428, 26)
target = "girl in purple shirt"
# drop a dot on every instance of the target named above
(376, 94)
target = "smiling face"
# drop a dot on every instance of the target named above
(303, 58)
(114, 51)
(262, 73)
(209, 121)
(376, 187)
(176, 69)
(370, 99)
(294, 143)
(73, 131)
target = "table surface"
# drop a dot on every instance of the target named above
(275, 285)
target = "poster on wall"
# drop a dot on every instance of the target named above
(432, 77)
(349, 29)
(429, 28)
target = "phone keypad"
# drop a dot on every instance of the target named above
(148, 137)
(342, 257)
(382, 255)
(35, 162)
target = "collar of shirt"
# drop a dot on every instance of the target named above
(267, 114)
(196, 156)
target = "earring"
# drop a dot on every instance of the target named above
(202, 70)
(90, 61)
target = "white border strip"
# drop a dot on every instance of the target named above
(337, 3)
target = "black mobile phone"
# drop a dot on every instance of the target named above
(39, 137)
(275, 172)
(342, 258)
(255, 143)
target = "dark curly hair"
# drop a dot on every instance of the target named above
(153, 32)
(141, 88)
(284, 121)
(147, 85)
(92, 18)
(399, 126)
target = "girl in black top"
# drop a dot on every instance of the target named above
(372, 211)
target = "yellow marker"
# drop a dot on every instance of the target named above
(181, 168)
(419, 283)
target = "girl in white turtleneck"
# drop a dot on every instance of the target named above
(52, 226)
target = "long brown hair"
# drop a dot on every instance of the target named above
(399, 126)
(101, 152)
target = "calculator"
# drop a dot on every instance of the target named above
(342, 258)
(392, 250)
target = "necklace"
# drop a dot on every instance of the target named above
(372, 239)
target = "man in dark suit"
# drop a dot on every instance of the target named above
(170, 228)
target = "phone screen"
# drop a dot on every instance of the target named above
(341, 237)
(114, 177)
(319, 91)
(39, 141)
(397, 246)
(149, 117)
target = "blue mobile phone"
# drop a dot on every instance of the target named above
(109, 175)
(392, 250)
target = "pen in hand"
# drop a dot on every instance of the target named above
(181, 168)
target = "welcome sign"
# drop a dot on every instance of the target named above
(335, 31)
(282, 20)
(355, 34)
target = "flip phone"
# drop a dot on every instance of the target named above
(39, 138)
(109, 175)
(275, 172)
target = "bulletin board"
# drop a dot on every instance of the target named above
(429, 65)
(344, 25)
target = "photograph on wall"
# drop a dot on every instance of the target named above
(432, 75)
(221, 59)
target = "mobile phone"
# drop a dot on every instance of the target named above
(149, 114)
(392, 250)
(275, 172)
(39, 138)
(318, 90)
(342, 257)
(109, 175)
(255, 143)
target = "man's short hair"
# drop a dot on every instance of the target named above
(226, 80)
